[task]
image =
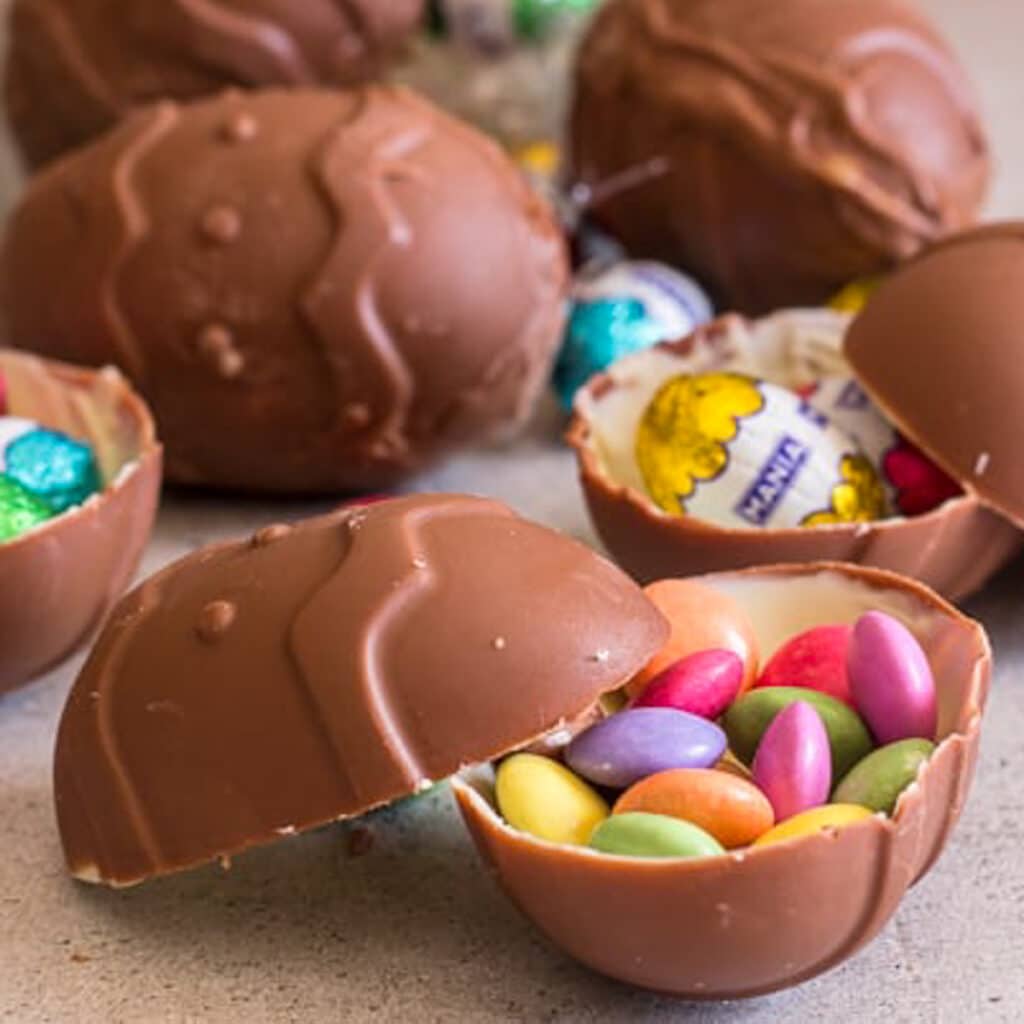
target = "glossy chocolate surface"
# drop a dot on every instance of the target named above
(261, 688)
(316, 290)
(776, 150)
(74, 67)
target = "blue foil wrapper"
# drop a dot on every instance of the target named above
(55, 468)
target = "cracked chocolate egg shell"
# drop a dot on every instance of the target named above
(775, 150)
(74, 67)
(59, 580)
(315, 290)
(261, 688)
(954, 548)
(753, 921)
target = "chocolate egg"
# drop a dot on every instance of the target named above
(315, 290)
(59, 580)
(262, 688)
(954, 548)
(775, 150)
(74, 67)
(761, 919)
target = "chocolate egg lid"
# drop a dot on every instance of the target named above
(257, 689)
(937, 347)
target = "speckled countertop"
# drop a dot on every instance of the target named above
(316, 928)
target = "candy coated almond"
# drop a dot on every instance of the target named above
(815, 660)
(727, 807)
(890, 680)
(538, 795)
(793, 764)
(701, 619)
(653, 835)
(704, 684)
(818, 819)
(878, 780)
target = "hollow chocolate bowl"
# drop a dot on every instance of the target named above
(750, 922)
(954, 548)
(60, 579)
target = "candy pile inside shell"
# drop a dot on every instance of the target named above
(373, 651)
(748, 921)
(60, 578)
(954, 547)
(351, 284)
(74, 67)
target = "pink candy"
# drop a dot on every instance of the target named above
(793, 763)
(814, 660)
(890, 680)
(704, 684)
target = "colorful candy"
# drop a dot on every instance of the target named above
(732, 810)
(620, 310)
(890, 680)
(819, 819)
(748, 719)
(20, 510)
(793, 763)
(542, 797)
(854, 297)
(704, 683)
(653, 835)
(879, 779)
(813, 660)
(701, 619)
(741, 452)
(642, 741)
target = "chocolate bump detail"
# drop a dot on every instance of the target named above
(215, 620)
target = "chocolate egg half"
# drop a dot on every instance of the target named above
(315, 290)
(74, 67)
(775, 150)
(955, 548)
(258, 689)
(59, 580)
(754, 921)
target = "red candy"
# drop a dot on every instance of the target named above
(3, 396)
(814, 660)
(704, 684)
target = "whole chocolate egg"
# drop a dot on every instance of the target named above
(75, 67)
(775, 150)
(315, 290)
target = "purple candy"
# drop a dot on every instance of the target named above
(633, 744)
(891, 681)
(793, 763)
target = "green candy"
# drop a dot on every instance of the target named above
(532, 17)
(746, 721)
(652, 835)
(877, 781)
(20, 509)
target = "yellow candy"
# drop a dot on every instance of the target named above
(539, 158)
(542, 797)
(854, 297)
(815, 820)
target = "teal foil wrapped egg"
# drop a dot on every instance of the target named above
(621, 310)
(52, 467)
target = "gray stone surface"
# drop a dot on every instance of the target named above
(413, 930)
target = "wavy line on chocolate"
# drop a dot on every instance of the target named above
(239, 32)
(134, 224)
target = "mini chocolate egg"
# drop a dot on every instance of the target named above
(374, 651)
(353, 284)
(765, 917)
(780, 165)
(61, 577)
(74, 67)
(954, 547)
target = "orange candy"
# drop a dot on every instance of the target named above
(731, 809)
(702, 619)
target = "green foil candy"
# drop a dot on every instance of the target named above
(20, 509)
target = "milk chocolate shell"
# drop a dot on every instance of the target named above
(776, 150)
(954, 549)
(59, 580)
(316, 291)
(261, 688)
(753, 921)
(74, 67)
